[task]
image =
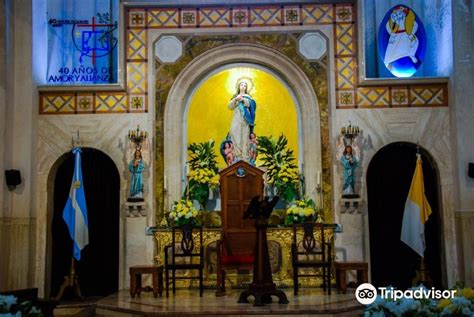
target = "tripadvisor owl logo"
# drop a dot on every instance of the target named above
(366, 294)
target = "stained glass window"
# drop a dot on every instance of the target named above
(429, 58)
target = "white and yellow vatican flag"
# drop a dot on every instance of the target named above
(417, 211)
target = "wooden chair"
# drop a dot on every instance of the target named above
(312, 251)
(184, 255)
(240, 182)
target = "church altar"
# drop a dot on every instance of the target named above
(279, 244)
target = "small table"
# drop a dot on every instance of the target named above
(136, 279)
(362, 269)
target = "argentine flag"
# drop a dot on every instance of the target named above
(416, 213)
(75, 211)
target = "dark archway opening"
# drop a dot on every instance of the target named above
(388, 182)
(99, 265)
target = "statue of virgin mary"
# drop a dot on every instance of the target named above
(238, 144)
(241, 128)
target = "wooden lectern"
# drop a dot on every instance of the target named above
(262, 287)
(240, 183)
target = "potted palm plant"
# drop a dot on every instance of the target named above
(282, 172)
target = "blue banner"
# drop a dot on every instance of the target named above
(82, 42)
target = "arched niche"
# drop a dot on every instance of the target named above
(207, 115)
(199, 68)
(101, 257)
(389, 176)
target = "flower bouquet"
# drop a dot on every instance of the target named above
(200, 181)
(462, 304)
(183, 213)
(203, 172)
(300, 211)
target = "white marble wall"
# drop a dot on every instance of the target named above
(465, 225)
(17, 123)
(463, 99)
(431, 128)
(107, 133)
(3, 187)
(462, 114)
(18, 245)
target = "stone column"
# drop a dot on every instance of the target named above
(3, 187)
(18, 110)
(462, 103)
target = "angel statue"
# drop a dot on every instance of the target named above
(348, 154)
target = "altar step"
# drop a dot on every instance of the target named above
(84, 310)
(309, 302)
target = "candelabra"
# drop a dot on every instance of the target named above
(137, 137)
(350, 132)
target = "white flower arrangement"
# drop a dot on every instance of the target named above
(183, 212)
(300, 211)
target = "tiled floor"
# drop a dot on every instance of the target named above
(187, 302)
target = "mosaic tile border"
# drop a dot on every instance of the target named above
(349, 94)
(84, 103)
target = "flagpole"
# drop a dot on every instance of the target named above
(415, 215)
(422, 275)
(70, 281)
(75, 217)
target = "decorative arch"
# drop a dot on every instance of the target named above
(256, 54)
(269, 85)
(52, 149)
(102, 186)
(389, 176)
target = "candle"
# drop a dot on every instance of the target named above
(165, 181)
(318, 179)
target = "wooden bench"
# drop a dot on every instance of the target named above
(362, 269)
(136, 273)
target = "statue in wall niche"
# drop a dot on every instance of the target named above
(348, 155)
(240, 143)
(136, 156)
(136, 167)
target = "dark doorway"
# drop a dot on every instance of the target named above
(99, 264)
(388, 182)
